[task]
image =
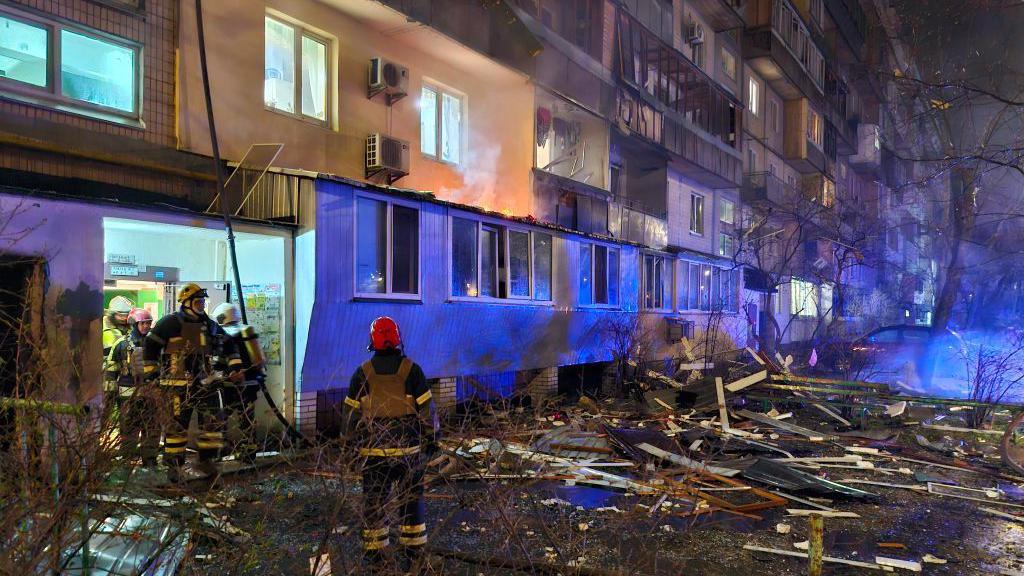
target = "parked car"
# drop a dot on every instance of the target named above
(912, 359)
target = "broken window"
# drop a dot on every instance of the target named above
(599, 275)
(494, 261)
(657, 282)
(387, 248)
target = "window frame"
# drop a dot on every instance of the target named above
(51, 96)
(798, 285)
(300, 32)
(440, 91)
(726, 56)
(388, 249)
(668, 271)
(703, 210)
(503, 228)
(753, 96)
(609, 248)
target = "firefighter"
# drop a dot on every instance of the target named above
(389, 417)
(134, 405)
(115, 326)
(115, 322)
(180, 354)
(241, 398)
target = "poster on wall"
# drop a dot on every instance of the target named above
(263, 309)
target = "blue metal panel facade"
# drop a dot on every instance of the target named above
(448, 338)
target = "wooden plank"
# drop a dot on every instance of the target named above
(787, 426)
(814, 551)
(897, 563)
(746, 381)
(829, 381)
(686, 462)
(966, 430)
(803, 501)
(723, 412)
(755, 356)
(828, 559)
(822, 513)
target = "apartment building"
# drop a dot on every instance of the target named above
(510, 181)
(97, 201)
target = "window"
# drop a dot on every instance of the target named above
(54, 63)
(727, 213)
(295, 71)
(696, 214)
(493, 261)
(726, 245)
(728, 64)
(773, 114)
(657, 278)
(697, 54)
(814, 127)
(753, 100)
(803, 298)
(25, 52)
(599, 275)
(387, 248)
(441, 125)
(751, 158)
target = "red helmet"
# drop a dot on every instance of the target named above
(384, 334)
(139, 315)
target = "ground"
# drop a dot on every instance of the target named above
(290, 513)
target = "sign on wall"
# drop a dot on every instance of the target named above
(263, 311)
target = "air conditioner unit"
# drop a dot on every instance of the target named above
(389, 79)
(695, 34)
(386, 155)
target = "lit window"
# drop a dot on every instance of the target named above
(25, 52)
(441, 125)
(295, 70)
(387, 248)
(493, 261)
(803, 298)
(599, 275)
(50, 62)
(728, 211)
(697, 214)
(753, 100)
(814, 127)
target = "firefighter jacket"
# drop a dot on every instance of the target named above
(111, 334)
(180, 348)
(124, 365)
(247, 343)
(387, 409)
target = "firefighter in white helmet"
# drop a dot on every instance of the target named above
(115, 326)
(240, 398)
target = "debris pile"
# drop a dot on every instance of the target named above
(766, 439)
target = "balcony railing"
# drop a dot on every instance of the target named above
(788, 25)
(759, 187)
(850, 20)
(274, 197)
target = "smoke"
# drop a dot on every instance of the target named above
(478, 174)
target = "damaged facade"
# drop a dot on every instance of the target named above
(507, 180)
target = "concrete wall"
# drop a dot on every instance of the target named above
(498, 151)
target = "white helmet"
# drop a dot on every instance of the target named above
(227, 313)
(120, 305)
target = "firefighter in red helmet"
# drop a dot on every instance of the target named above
(388, 415)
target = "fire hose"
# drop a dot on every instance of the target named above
(218, 165)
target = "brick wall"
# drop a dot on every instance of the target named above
(156, 29)
(443, 391)
(544, 385)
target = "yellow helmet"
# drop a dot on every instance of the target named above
(191, 291)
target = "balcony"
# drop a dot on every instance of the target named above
(720, 14)
(787, 58)
(851, 22)
(766, 188)
(665, 99)
(869, 149)
(804, 138)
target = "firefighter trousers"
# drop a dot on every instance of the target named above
(184, 400)
(137, 413)
(241, 400)
(391, 482)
